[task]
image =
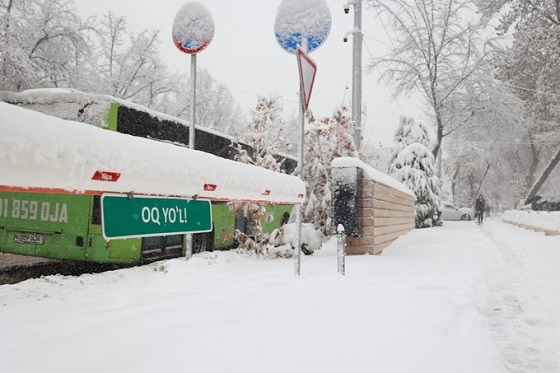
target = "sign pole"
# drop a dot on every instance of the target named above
(307, 70)
(296, 34)
(299, 212)
(193, 29)
(189, 251)
(193, 101)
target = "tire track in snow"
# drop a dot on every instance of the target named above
(515, 328)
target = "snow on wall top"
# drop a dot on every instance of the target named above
(38, 151)
(371, 173)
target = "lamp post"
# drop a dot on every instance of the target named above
(356, 68)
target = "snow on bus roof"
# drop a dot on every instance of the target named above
(41, 152)
(47, 96)
(60, 95)
(370, 173)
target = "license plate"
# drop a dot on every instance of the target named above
(33, 238)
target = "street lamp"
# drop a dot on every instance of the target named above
(356, 68)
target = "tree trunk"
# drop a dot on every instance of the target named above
(439, 124)
(483, 177)
(546, 173)
(535, 152)
(454, 183)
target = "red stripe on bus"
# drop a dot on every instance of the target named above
(7, 188)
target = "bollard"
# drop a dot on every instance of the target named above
(341, 258)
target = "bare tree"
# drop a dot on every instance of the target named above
(127, 65)
(530, 68)
(436, 52)
(42, 44)
(216, 106)
(496, 134)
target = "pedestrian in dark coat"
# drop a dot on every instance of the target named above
(480, 206)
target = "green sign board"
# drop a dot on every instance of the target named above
(123, 216)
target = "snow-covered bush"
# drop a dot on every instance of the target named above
(257, 242)
(311, 238)
(265, 139)
(325, 140)
(264, 135)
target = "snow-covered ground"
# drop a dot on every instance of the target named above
(457, 298)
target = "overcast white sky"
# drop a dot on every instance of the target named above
(245, 56)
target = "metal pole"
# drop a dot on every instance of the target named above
(357, 73)
(193, 100)
(189, 250)
(297, 238)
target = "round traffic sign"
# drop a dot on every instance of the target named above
(304, 23)
(193, 27)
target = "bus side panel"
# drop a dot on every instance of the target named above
(276, 216)
(46, 225)
(224, 224)
(112, 116)
(125, 251)
(138, 123)
(214, 144)
(114, 251)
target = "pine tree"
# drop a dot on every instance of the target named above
(408, 132)
(412, 163)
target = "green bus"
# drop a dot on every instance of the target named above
(54, 222)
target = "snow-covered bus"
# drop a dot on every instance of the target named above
(53, 174)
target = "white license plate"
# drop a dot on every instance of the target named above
(33, 238)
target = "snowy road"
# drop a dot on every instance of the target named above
(460, 298)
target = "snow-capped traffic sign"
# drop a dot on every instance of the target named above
(307, 71)
(193, 28)
(304, 23)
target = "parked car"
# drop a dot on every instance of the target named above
(451, 212)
